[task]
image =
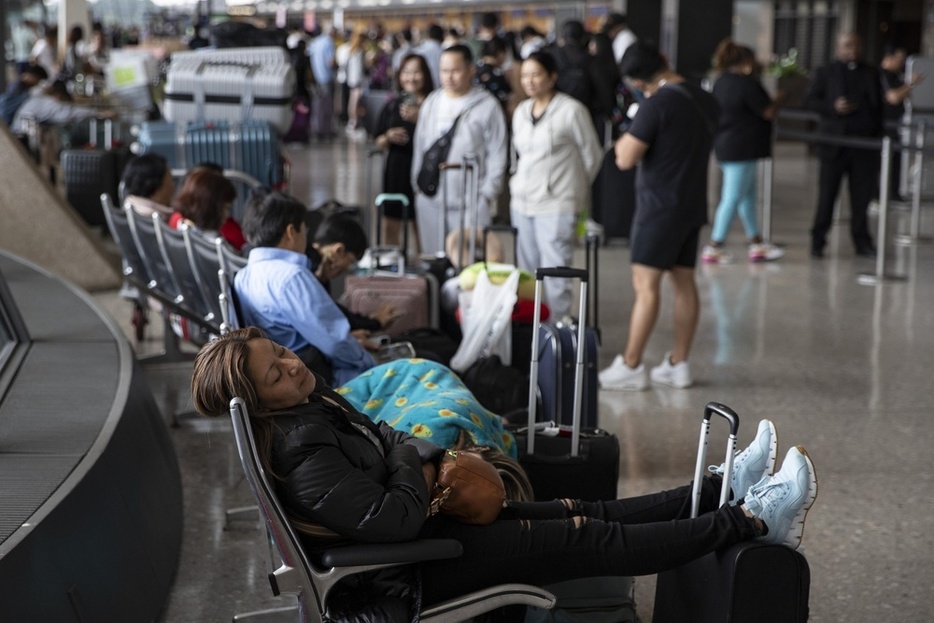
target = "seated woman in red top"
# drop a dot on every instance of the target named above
(204, 203)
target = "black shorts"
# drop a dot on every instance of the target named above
(398, 211)
(658, 246)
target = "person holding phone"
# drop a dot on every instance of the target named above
(848, 95)
(394, 136)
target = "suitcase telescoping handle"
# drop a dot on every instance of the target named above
(108, 133)
(540, 275)
(469, 170)
(514, 232)
(731, 417)
(404, 200)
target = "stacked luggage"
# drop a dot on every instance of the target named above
(249, 146)
(228, 107)
(237, 84)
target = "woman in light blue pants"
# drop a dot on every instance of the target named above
(744, 136)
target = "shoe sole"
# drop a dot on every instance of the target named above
(623, 388)
(669, 383)
(796, 532)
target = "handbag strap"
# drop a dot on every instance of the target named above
(449, 134)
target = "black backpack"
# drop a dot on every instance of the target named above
(574, 74)
(500, 388)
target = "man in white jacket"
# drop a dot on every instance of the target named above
(480, 132)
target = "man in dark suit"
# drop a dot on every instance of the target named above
(849, 97)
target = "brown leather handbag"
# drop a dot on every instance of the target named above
(468, 489)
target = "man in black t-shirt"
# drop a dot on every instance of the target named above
(848, 95)
(671, 135)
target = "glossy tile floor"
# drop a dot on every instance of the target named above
(841, 367)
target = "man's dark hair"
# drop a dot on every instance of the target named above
(463, 50)
(641, 61)
(35, 70)
(573, 33)
(493, 47)
(890, 49)
(267, 216)
(489, 20)
(58, 90)
(614, 20)
(529, 31)
(436, 32)
(344, 229)
(143, 174)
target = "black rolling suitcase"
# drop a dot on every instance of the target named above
(89, 173)
(614, 198)
(750, 582)
(566, 461)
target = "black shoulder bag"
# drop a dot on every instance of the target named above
(429, 175)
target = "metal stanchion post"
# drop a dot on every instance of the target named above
(879, 276)
(914, 233)
(768, 179)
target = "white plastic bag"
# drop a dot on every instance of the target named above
(486, 321)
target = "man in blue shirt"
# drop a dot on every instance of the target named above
(280, 294)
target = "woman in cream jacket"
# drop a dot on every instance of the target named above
(558, 158)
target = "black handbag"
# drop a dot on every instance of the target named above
(429, 176)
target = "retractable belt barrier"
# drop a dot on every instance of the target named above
(887, 147)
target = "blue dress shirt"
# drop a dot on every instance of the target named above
(279, 294)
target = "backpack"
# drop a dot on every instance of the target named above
(574, 74)
(499, 388)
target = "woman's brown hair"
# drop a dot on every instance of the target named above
(729, 54)
(203, 198)
(219, 375)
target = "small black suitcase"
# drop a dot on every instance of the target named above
(566, 461)
(614, 198)
(92, 171)
(750, 582)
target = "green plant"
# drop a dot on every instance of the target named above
(787, 65)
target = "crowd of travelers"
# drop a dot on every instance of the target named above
(534, 116)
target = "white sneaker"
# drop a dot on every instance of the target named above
(674, 375)
(716, 255)
(620, 377)
(754, 463)
(782, 501)
(764, 252)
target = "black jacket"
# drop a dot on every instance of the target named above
(830, 83)
(332, 473)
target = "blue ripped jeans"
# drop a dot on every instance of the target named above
(541, 543)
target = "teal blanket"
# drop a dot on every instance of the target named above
(426, 399)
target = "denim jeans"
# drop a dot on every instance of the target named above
(737, 194)
(538, 542)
